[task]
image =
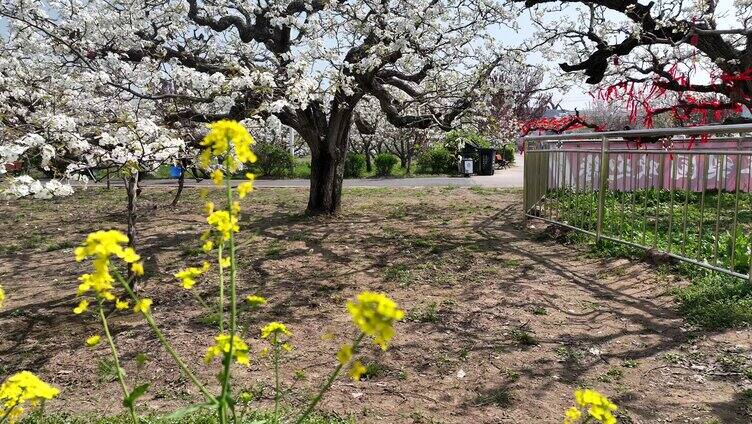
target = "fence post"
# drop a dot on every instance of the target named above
(525, 176)
(603, 182)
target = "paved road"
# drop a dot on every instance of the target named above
(506, 178)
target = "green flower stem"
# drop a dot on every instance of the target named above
(121, 378)
(7, 414)
(276, 378)
(200, 300)
(233, 310)
(221, 289)
(328, 383)
(168, 347)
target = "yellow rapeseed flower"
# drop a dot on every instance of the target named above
(142, 306)
(207, 246)
(222, 135)
(597, 405)
(101, 246)
(375, 314)
(235, 208)
(188, 276)
(137, 268)
(121, 304)
(217, 176)
(246, 187)
(209, 208)
(93, 341)
(82, 307)
(345, 354)
(254, 300)
(2, 296)
(357, 370)
(274, 328)
(572, 416)
(222, 347)
(225, 262)
(224, 223)
(20, 388)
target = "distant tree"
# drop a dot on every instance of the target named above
(307, 62)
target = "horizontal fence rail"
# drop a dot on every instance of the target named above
(685, 192)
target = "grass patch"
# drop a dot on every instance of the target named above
(428, 313)
(523, 338)
(683, 223)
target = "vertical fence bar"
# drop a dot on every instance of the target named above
(603, 177)
(592, 211)
(644, 213)
(738, 176)
(705, 169)
(658, 190)
(672, 188)
(578, 215)
(719, 194)
(688, 182)
(525, 184)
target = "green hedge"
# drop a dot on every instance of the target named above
(355, 165)
(274, 161)
(437, 160)
(385, 162)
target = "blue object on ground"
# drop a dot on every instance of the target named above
(176, 172)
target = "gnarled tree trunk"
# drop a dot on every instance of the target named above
(328, 164)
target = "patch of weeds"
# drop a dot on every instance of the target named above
(747, 373)
(373, 370)
(745, 401)
(463, 354)
(193, 251)
(629, 363)
(397, 212)
(733, 362)
(538, 310)
(511, 375)
(141, 360)
(673, 358)
(423, 243)
(428, 313)
(274, 249)
(444, 363)
(7, 249)
(614, 374)
(400, 274)
(300, 375)
(716, 301)
(568, 354)
(500, 396)
(523, 337)
(33, 241)
(107, 371)
(65, 244)
(210, 319)
(419, 418)
(510, 263)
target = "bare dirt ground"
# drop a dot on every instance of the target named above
(501, 325)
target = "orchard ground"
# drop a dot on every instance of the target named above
(502, 324)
